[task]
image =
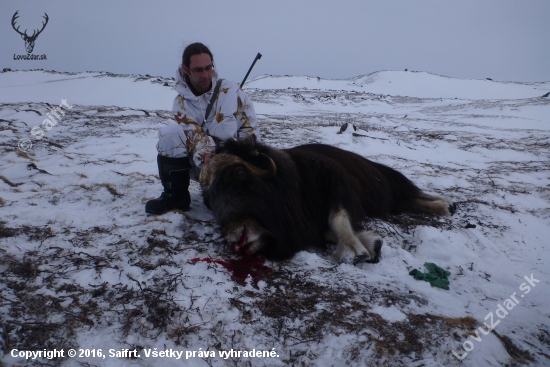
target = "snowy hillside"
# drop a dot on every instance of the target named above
(410, 84)
(82, 266)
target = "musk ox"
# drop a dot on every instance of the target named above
(276, 202)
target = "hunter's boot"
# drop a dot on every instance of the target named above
(174, 176)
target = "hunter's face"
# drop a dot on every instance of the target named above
(200, 72)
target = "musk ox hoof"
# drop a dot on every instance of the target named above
(368, 252)
(361, 259)
(452, 208)
(350, 258)
(377, 245)
(451, 205)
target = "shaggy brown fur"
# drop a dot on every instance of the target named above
(316, 192)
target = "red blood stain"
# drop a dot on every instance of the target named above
(240, 247)
(241, 267)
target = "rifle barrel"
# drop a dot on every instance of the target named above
(258, 56)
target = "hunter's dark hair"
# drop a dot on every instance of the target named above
(196, 48)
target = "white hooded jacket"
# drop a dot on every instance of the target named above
(232, 117)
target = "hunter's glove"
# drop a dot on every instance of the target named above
(436, 276)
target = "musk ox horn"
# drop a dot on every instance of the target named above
(264, 174)
(219, 161)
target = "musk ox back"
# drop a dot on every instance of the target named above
(276, 202)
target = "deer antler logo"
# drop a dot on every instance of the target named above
(29, 40)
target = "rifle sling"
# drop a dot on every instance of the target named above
(212, 99)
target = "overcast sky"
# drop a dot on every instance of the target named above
(500, 39)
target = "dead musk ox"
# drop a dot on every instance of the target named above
(276, 202)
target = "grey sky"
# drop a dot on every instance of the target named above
(499, 39)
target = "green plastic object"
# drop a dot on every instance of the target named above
(436, 276)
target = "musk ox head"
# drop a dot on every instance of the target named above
(234, 190)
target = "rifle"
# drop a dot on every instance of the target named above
(258, 56)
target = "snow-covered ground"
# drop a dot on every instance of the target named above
(82, 266)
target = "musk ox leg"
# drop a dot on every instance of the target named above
(434, 204)
(373, 243)
(352, 247)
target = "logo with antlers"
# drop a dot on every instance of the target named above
(29, 40)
